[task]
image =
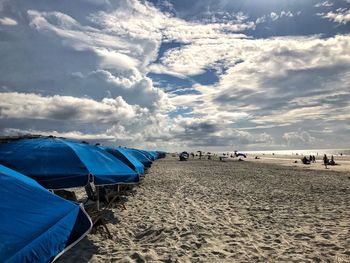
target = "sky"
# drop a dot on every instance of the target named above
(216, 75)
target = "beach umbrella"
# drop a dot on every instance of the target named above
(36, 225)
(126, 158)
(58, 163)
(154, 154)
(161, 154)
(139, 156)
(147, 154)
(184, 156)
(237, 154)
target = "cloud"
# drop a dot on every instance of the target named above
(299, 138)
(260, 20)
(201, 132)
(272, 82)
(273, 16)
(7, 21)
(86, 71)
(324, 4)
(340, 16)
(96, 60)
(77, 135)
(111, 121)
(288, 14)
(22, 105)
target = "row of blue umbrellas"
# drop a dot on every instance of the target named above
(57, 163)
(39, 225)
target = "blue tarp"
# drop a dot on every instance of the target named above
(139, 156)
(126, 158)
(58, 163)
(36, 225)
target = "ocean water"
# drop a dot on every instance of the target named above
(335, 152)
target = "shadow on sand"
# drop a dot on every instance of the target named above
(75, 255)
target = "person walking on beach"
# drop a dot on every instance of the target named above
(325, 160)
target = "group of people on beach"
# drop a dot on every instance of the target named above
(312, 159)
(326, 161)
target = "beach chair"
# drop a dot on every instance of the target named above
(110, 195)
(94, 213)
(116, 195)
(68, 195)
(97, 217)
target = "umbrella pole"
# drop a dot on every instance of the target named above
(98, 198)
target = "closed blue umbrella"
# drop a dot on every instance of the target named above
(139, 156)
(161, 154)
(36, 225)
(58, 163)
(154, 154)
(147, 154)
(126, 158)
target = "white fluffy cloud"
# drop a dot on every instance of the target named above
(77, 135)
(7, 21)
(302, 138)
(324, 4)
(340, 16)
(84, 73)
(273, 16)
(33, 106)
(271, 82)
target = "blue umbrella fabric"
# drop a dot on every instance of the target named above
(161, 154)
(126, 158)
(36, 225)
(147, 154)
(105, 168)
(154, 154)
(57, 163)
(139, 156)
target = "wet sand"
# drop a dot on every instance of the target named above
(232, 211)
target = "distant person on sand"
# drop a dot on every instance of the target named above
(332, 162)
(325, 160)
(304, 160)
(200, 154)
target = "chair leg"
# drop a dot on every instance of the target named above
(104, 224)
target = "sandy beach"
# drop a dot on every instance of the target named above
(232, 211)
(343, 162)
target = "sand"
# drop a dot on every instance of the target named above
(343, 162)
(212, 211)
